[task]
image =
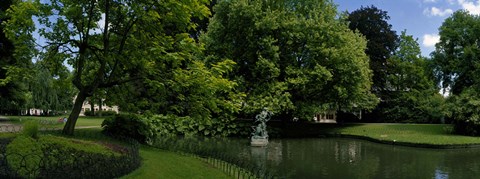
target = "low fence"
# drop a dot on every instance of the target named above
(56, 161)
(233, 166)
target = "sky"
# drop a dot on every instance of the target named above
(420, 18)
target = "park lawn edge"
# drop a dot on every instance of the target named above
(404, 143)
(435, 139)
(159, 163)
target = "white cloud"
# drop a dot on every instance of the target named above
(434, 11)
(429, 40)
(429, 1)
(473, 7)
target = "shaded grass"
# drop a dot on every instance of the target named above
(430, 135)
(158, 163)
(82, 121)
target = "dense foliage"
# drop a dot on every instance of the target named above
(464, 109)
(294, 57)
(457, 52)
(197, 91)
(54, 94)
(108, 42)
(147, 128)
(381, 42)
(411, 94)
(457, 69)
(12, 86)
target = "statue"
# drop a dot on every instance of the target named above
(260, 134)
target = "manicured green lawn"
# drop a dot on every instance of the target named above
(437, 134)
(158, 163)
(83, 121)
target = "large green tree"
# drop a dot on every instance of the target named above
(49, 93)
(413, 95)
(456, 55)
(111, 42)
(12, 87)
(294, 57)
(381, 41)
(457, 68)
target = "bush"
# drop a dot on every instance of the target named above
(88, 113)
(58, 157)
(24, 156)
(30, 129)
(147, 128)
(465, 112)
(100, 113)
(127, 125)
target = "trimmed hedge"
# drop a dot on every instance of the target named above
(100, 113)
(58, 157)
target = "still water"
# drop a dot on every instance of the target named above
(353, 158)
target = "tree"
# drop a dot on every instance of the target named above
(381, 41)
(412, 92)
(50, 93)
(457, 69)
(108, 42)
(464, 109)
(12, 87)
(293, 57)
(456, 55)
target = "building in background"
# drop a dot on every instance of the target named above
(87, 107)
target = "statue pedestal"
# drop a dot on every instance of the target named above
(259, 142)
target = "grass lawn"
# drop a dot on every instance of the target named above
(83, 121)
(158, 163)
(436, 134)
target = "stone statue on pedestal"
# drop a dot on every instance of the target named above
(260, 135)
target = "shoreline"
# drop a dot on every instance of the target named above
(406, 144)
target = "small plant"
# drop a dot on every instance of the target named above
(30, 129)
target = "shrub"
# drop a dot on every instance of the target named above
(147, 128)
(127, 125)
(58, 157)
(24, 156)
(30, 129)
(100, 113)
(106, 113)
(88, 113)
(465, 112)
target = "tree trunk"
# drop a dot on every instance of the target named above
(69, 127)
(92, 106)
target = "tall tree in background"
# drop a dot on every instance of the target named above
(110, 42)
(12, 87)
(456, 55)
(49, 93)
(457, 67)
(381, 41)
(381, 44)
(293, 56)
(412, 92)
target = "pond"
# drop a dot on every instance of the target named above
(353, 158)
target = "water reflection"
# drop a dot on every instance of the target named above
(348, 158)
